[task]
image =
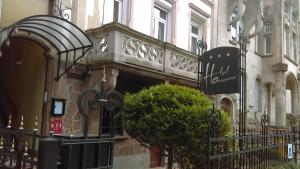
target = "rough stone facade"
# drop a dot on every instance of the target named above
(269, 75)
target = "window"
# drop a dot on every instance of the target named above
(256, 41)
(107, 124)
(286, 40)
(162, 20)
(267, 38)
(196, 34)
(294, 47)
(257, 95)
(118, 10)
(267, 44)
(236, 28)
(160, 23)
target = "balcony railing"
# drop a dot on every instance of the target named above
(120, 44)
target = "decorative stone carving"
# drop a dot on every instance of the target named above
(100, 45)
(142, 50)
(184, 63)
(62, 9)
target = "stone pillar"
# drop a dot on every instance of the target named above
(111, 75)
(167, 61)
(280, 89)
(111, 78)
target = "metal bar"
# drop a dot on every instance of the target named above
(8, 131)
(33, 148)
(65, 21)
(59, 76)
(66, 61)
(80, 48)
(46, 26)
(42, 37)
(58, 67)
(23, 27)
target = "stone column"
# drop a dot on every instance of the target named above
(111, 78)
(280, 89)
(111, 75)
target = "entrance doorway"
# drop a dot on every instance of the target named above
(22, 80)
(155, 157)
(226, 105)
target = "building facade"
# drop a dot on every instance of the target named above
(272, 66)
(140, 43)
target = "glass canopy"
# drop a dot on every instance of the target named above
(70, 41)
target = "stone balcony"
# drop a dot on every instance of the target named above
(119, 44)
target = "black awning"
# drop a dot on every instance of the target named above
(70, 41)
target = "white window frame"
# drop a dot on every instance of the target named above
(166, 6)
(157, 20)
(200, 35)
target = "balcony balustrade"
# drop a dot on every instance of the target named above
(119, 44)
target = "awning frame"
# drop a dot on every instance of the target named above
(69, 41)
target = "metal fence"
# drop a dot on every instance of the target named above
(256, 149)
(18, 147)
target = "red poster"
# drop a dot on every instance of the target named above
(56, 126)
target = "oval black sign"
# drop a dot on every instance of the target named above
(220, 71)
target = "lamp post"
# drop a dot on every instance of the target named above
(202, 48)
(111, 101)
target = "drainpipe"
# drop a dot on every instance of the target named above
(103, 13)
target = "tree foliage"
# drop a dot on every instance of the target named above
(173, 118)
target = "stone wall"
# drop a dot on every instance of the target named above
(129, 154)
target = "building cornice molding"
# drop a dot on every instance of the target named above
(199, 11)
(208, 3)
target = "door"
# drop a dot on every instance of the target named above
(155, 157)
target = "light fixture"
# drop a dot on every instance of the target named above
(19, 61)
(16, 30)
(0, 53)
(7, 42)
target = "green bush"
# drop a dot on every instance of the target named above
(173, 118)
